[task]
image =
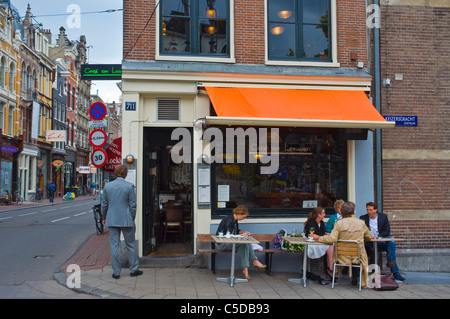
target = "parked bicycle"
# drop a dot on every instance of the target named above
(18, 199)
(98, 218)
(37, 196)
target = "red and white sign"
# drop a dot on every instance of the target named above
(99, 157)
(114, 152)
(98, 138)
(55, 136)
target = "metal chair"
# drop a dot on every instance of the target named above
(348, 248)
(173, 222)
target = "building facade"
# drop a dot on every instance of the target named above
(415, 155)
(290, 74)
(11, 139)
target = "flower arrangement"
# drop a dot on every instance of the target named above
(279, 243)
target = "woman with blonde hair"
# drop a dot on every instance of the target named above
(332, 220)
(231, 224)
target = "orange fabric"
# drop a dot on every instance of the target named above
(293, 104)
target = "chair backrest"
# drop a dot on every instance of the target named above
(347, 248)
(174, 213)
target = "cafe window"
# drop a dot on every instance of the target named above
(311, 172)
(194, 28)
(299, 30)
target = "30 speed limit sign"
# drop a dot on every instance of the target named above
(99, 157)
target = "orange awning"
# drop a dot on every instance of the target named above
(292, 107)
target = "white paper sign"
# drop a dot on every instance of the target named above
(223, 193)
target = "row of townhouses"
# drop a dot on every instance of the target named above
(41, 91)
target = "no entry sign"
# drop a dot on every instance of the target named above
(99, 158)
(98, 138)
(97, 111)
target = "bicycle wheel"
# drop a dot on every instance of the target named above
(19, 200)
(33, 198)
(39, 198)
(98, 221)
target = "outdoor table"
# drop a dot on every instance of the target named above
(234, 239)
(375, 245)
(302, 241)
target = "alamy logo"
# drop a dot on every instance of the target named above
(74, 279)
(262, 146)
(373, 20)
(74, 19)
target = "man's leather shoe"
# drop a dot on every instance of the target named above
(115, 276)
(136, 273)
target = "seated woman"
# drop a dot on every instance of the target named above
(315, 225)
(231, 224)
(337, 207)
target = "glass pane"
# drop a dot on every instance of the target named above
(281, 11)
(175, 7)
(213, 36)
(213, 9)
(315, 41)
(315, 11)
(282, 41)
(175, 35)
(311, 173)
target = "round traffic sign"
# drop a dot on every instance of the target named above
(97, 111)
(98, 138)
(99, 157)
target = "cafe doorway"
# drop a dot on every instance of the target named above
(167, 197)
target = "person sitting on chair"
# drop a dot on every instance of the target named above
(230, 224)
(378, 222)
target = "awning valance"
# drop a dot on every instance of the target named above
(292, 107)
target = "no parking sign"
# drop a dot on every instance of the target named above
(97, 111)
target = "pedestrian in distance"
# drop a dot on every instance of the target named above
(51, 192)
(118, 212)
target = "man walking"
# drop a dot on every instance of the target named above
(118, 212)
(51, 192)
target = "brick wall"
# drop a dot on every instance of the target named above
(415, 43)
(249, 31)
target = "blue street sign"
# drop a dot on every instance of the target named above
(97, 111)
(130, 106)
(402, 120)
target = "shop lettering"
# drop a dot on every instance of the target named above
(213, 150)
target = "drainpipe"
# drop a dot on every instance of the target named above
(378, 107)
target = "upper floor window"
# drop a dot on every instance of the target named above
(195, 28)
(299, 30)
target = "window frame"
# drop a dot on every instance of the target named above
(290, 212)
(306, 62)
(194, 57)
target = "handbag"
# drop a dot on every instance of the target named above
(387, 282)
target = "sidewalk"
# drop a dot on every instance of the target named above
(193, 283)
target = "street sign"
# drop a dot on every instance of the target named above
(97, 111)
(402, 120)
(98, 138)
(99, 157)
(97, 124)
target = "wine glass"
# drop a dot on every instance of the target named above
(311, 232)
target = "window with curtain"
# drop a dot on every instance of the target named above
(299, 30)
(194, 27)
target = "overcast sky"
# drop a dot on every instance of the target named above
(103, 31)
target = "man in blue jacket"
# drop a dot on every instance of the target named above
(378, 222)
(118, 212)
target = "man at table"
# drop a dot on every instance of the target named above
(378, 222)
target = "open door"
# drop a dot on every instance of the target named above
(165, 182)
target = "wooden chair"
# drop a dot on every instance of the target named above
(351, 249)
(173, 222)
